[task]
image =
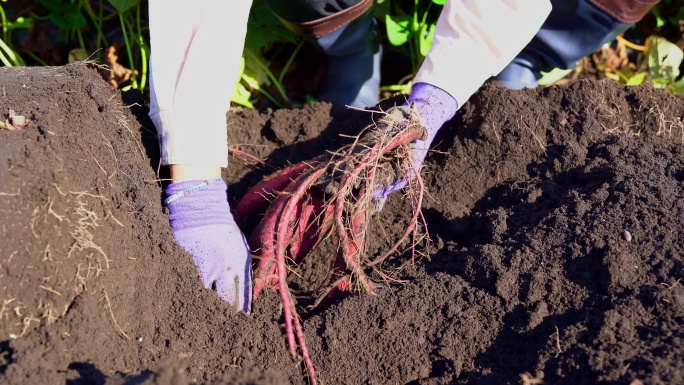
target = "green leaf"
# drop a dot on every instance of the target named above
(637, 79)
(553, 76)
(20, 23)
(262, 14)
(263, 36)
(664, 59)
(660, 22)
(251, 82)
(264, 28)
(678, 88)
(123, 5)
(58, 5)
(427, 33)
(439, 2)
(68, 21)
(381, 9)
(64, 14)
(612, 76)
(404, 89)
(398, 29)
(8, 57)
(241, 96)
(674, 20)
(254, 73)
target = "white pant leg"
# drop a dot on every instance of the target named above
(196, 52)
(476, 39)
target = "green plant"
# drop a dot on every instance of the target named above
(668, 12)
(94, 28)
(409, 27)
(67, 17)
(413, 29)
(657, 61)
(664, 60)
(71, 23)
(9, 56)
(265, 33)
(132, 26)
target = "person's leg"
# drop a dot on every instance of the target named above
(573, 30)
(346, 32)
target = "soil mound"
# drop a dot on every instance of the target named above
(557, 254)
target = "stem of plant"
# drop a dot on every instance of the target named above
(289, 61)
(269, 73)
(36, 58)
(143, 53)
(4, 59)
(415, 47)
(4, 46)
(81, 43)
(631, 45)
(12, 59)
(4, 23)
(97, 22)
(262, 91)
(134, 79)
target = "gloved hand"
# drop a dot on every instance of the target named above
(203, 226)
(434, 107)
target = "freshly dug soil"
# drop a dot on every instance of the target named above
(557, 250)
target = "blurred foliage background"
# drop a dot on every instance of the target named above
(282, 70)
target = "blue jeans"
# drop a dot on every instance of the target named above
(573, 30)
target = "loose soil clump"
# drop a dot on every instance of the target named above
(555, 217)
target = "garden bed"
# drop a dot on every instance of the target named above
(555, 217)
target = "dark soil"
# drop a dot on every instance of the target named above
(556, 217)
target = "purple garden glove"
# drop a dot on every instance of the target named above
(203, 225)
(434, 107)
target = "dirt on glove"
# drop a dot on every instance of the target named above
(555, 217)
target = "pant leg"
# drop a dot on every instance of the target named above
(194, 64)
(573, 30)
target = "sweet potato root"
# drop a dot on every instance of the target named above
(331, 195)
